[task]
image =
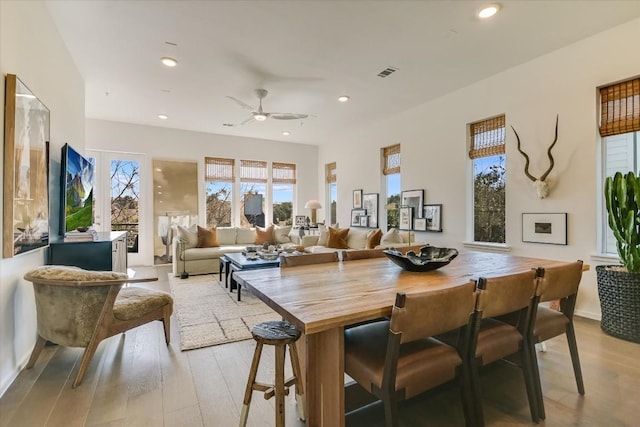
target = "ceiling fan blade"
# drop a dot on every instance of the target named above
(248, 120)
(244, 105)
(287, 116)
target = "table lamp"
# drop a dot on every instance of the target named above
(313, 205)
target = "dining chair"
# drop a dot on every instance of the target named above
(397, 359)
(556, 283)
(80, 308)
(307, 259)
(492, 339)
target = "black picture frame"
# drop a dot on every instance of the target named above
(433, 215)
(355, 216)
(405, 218)
(415, 199)
(370, 202)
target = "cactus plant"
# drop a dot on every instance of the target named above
(622, 196)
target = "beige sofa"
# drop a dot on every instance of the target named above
(357, 240)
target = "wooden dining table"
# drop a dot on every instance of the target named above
(322, 299)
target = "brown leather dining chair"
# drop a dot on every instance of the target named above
(557, 283)
(397, 359)
(362, 254)
(307, 259)
(492, 339)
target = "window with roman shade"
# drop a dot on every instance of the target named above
(219, 176)
(487, 137)
(253, 171)
(620, 108)
(283, 173)
(330, 172)
(283, 181)
(217, 169)
(391, 160)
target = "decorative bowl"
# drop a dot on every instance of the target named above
(268, 256)
(430, 258)
(253, 248)
(289, 249)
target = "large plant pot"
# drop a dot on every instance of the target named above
(619, 293)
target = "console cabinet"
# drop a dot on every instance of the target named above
(107, 253)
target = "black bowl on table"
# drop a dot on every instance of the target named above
(429, 258)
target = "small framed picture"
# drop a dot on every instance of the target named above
(415, 199)
(370, 203)
(355, 216)
(420, 224)
(357, 199)
(364, 220)
(544, 228)
(406, 218)
(301, 220)
(433, 215)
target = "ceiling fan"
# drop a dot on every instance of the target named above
(260, 115)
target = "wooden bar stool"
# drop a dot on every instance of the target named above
(279, 334)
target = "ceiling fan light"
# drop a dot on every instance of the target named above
(260, 117)
(168, 61)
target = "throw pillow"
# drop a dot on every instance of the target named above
(189, 236)
(227, 235)
(245, 236)
(265, 235)
(391, 237)
(373, 238)
(338, 238)
(281, 234)
(207, 238)
(357, 238)
(324, 235)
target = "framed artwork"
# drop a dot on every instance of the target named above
(364, 220)
(26, 170)
(433, 215)
(370, 203)
(355, 216)
(301, 221)
(414, 199)
(544, 228)
(420, 224)
(406, 218)
(357, 199)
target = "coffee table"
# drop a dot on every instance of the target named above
(238, 262)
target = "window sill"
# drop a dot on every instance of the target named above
(605, 258)
(484, 246)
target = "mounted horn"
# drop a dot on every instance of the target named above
(540, 184)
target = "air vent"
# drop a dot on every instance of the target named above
(387, 72)
(229, 125)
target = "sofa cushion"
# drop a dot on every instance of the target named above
(281, 234)
(207, 238)
(319, 249)
(324, 235)
(194, 254)
(226, 235)
(245, 236)
(390, 237)
(265, 235)
(338, 238)
(373, 238)
(189, 236)
(357, 238)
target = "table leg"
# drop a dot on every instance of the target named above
(220, 265)
(322, 360)
(227, 268)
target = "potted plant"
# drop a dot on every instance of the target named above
(619, 285)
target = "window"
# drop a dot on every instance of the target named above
(283, 179)
(332, 191)
(253, 187)
(620, 132)
(487, 140)
(391, 171)
(219, 177)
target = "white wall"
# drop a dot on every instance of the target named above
(172, 144)
(434, 147)
(31, 48)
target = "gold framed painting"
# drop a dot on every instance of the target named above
(26, 170)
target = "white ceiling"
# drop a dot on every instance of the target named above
(305, 53)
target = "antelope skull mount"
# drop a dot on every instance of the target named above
(539, 183)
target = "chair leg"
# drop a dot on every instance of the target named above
(537, 382)
(295, 366)
(466, 396)
(390, 403)
(575, 359)
(166, 322)
(476, 394)
(280, 353)
(529, 381)
(37, 348)
(249, 390)
(86, 359)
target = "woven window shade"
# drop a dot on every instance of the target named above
(283, 173)
(391, 161)
(620, 108)
(330, 170)
(487, 138)
(253, 171)
(217, 169)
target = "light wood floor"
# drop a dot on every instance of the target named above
(136, 380)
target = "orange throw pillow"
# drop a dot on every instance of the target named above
(338, 238)
(373, 239)
(207, 238)
(265, 235)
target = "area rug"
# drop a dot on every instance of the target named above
(209, 314)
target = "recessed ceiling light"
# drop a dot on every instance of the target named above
(163, 116)
(286, 133)
(168, 61)
(343, 98)
(489, 11)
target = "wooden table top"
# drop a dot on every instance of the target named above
(320, 297)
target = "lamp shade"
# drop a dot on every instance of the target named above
(313, 204)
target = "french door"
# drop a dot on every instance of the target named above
(118, 200)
